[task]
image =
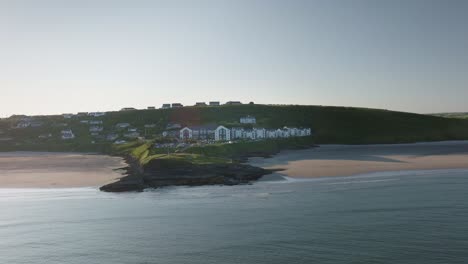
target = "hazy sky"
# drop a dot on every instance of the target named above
(68, 56)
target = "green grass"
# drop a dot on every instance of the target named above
(196, 159)
(144, 153)
(249, 148)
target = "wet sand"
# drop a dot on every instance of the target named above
(345, 160)
(57, 170)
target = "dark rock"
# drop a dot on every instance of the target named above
(159, 173)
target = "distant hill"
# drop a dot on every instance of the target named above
(453, 115)
(330, 125)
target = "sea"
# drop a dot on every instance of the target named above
(394, 217)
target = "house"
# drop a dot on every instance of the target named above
(119, 142)
(186, 133)
(249, 134)
(67, 134)
(200, 104)
(151, 108)
(44, 136)
(127, 109)
(132, 135)
(94, 129)
(166, 106)
(171, 134)
(132, 130)
(177, 105)
(214, 103)
(150, 125)
(173, 126)
(293, 132)
(95, 122)
(271, 133)
(67, 116)
(233, 103)
(36, 124)
(97, 114)
(122, 125)
(23, 124)
(222, 134)
(248, 120)
(236, 132)
(305, 132)
(84, 121)
(260, 133)
(94, 134)
(198, 132)
(112, 137)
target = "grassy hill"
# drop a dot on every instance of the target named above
(344, 125)
(337, 125)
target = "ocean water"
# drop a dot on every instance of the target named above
(405, 217)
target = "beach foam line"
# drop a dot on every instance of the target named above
(372, 176)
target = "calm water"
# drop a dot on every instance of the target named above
(391, 218)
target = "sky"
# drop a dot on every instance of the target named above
(61, 56)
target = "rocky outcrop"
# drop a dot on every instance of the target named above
(160, 173)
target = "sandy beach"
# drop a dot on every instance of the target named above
(57, 170)
(345, 160)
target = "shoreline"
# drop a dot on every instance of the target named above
(349, 160)
(52, 170)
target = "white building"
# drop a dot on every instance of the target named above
(173, 126)
(95, 122)
(248, 120)
(122, 125)
(67, 134)
(271, 133)
(260, 133)
(186, 133)
(236, 132)
(94, 129)
(222, 134)
(198, 132)
(249, 134)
